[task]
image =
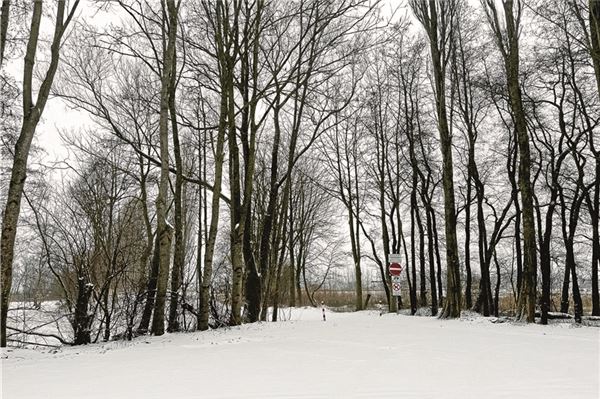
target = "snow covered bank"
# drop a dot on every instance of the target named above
(352, 355)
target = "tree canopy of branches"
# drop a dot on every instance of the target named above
(236, 156)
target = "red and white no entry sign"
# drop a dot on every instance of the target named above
(395, 269)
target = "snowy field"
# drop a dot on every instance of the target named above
(351, 355)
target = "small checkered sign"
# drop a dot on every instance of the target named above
(396, 285)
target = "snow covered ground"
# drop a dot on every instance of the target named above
(351, 355)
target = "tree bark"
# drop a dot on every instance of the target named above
(163, 229)
(179, 251)
(427, 13)
(468, 293)
(422, 274)
(81, 318)
(430, 250)
(594, 204)
(4, 18)
(508, 44)
(32, 112)
(214, 217)
(151, 289)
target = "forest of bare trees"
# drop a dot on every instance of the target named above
(235, 157)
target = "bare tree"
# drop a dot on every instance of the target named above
(588, 16)
(506, 36)
(222, 45)
(163, 229)
(438, 19)
(32, 112)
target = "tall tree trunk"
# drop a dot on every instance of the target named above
(570, 267)
(236, 236)
(200, 231)
(413, 255)
(354, 208)
(32, 112)
(438, 260)
(257, 285)
(497, 290)
(430, 250)
(463, 87)
(485, 283)
(179, 251)
(468, 293)
(214, 215)
(151, 288)
(237, 219)
(408, 279)
(427, 13)
(356, 259)
(545, 269)
(242, 255)
(164, 230)
(4, 18)
(81, 318)
(594, 206)
(299, 272)
(526, 304)
(507, 39)
(427, 193)
(564, 298)
(594, 24)
(422, 274)
(484, 300)
(594, 211)
(569, 223)
(292, 272)
(545, 237)
(576, 293)
(511, 169)
(162, 276)
(282, 237)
